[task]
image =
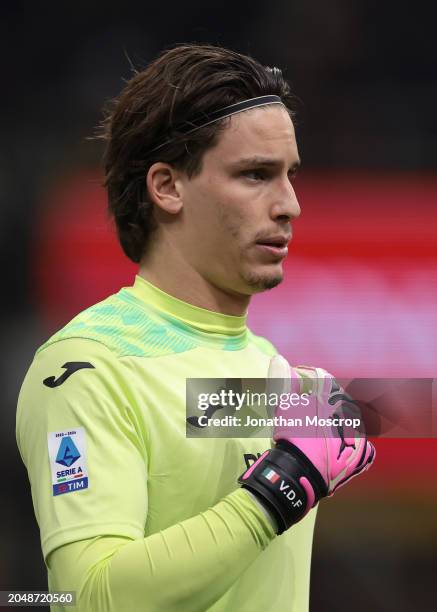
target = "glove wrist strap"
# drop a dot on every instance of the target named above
(283, 484)
(312, 474)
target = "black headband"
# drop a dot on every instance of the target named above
(206, 118)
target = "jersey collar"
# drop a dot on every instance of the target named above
(199, 318)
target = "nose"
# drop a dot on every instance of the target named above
(286, 206)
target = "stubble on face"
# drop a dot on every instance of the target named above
(255, 282)
(262, 283)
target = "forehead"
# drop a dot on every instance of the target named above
(265, 131)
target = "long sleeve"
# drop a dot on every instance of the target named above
(184, 568)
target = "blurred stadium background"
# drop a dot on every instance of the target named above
(360, 294)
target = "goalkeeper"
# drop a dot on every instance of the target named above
(200, 160)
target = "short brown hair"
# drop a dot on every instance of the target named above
(181, 83)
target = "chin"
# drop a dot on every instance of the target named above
(261, 282)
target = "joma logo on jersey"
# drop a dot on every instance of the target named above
(70, 368)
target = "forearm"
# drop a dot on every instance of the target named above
(186, 567)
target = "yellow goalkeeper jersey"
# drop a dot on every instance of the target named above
(133, 514)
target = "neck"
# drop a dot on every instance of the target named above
(183, 282)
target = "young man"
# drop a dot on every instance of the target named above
(200, 160)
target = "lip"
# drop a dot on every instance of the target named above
(276, 240)
(277, 251)
(275, 245)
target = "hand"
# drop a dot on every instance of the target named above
(337, 455)
(292, 477)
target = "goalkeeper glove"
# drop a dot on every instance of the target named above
(297, 472)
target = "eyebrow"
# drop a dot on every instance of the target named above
(259, 160)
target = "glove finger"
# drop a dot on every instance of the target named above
(280, 373)
(362, 467)
(369, 456)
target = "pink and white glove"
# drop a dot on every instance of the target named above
(293, 476)
(337, 458)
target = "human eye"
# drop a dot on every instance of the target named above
(292, 175)
(255, 174)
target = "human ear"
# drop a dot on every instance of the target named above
(163, 187)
